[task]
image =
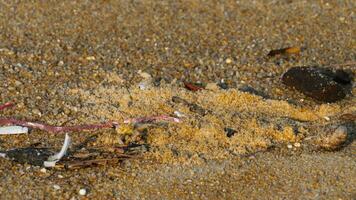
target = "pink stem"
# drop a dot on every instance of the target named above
(56, 129)
(6, 105)
(84, 127)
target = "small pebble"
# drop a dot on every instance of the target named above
(56, 187)
(43, 170)
(142, 85)
(327, 118)
(297, 144)
(60, 176)
(289, 146)
(82, 191)
(228, 61)
(90, 58)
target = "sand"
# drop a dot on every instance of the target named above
(75, 62)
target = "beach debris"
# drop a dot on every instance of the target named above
(178, 114)
(37, 156)
(192, 87)
(45, 157)
(56, 129)
(229, 132)
(348, 117)
(9, 130)
(318, 83)
(289, 146)
(82, 192)
(76, 128)
(335, 140)
(52, 160)
(285, 51)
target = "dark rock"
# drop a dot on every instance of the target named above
(193, 87)
(30, 155)
(318, 83)
(229, 132)
(343, 77)
(223, 86)
(253, 91)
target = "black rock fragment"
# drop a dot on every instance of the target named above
(29, 155)
(229, 132)
(251, 90)
(192, 106)
(322, 84)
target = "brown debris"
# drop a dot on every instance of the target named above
(348, 117)
(192, 87)
(285, 51)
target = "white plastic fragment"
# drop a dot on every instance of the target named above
(83, 191)
(9, 130)
(52, 160)
(2, 155)
(178, 114)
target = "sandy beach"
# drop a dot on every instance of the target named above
(242, 133)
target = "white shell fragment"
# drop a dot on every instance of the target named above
(52, 160)
(179, 114)
(82, 192)
(9, 130)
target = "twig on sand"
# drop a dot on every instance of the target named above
(74, 128)
(55, 129)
